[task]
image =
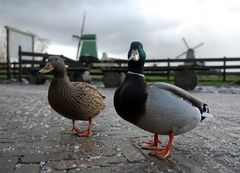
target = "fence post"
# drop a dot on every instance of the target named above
(14, 69)
(168, 71)
(224, 69)
(8, 56)
(20, 63)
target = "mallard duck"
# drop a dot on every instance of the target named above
(73, 100)
(159, 108)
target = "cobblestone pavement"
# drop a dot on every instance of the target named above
(33, 138)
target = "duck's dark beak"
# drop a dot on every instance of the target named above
(48, 67)
(134, 55)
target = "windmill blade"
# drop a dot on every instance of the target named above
(82, 29)
(185, 42)
(181, 54)
(83, 22)
(199, 45)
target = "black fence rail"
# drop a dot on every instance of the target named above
(204, 66)
(30, 67)
(153, 67)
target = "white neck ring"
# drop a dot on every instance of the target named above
(130, 72)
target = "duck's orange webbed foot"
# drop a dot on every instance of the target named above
(162, 153)
(74, 129)
(150, 145)
(88, 132)
(85, 134)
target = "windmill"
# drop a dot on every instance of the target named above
(87, 46)
(190, 53)
(80, 37)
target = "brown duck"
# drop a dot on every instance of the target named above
(73, 100)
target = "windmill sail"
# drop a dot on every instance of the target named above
(185, 42)
(82, 29)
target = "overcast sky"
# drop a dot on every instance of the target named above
(158, 24)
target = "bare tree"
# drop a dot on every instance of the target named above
(41, 44)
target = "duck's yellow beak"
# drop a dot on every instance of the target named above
(48, 67)
(134, 55)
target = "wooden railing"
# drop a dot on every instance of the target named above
(153, 67)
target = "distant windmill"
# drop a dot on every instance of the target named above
(87, 46)
(80, 37)
(190, 52)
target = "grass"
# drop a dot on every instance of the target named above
(97, 77)
(217, 80)
(157, 78)
(204, 80)
(3, 77)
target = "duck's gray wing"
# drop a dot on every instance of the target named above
(181, 93)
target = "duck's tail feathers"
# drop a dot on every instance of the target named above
(206, 115)
(205, 112)
(103, 96)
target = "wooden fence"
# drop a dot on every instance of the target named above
(153, 67)
(164, 67)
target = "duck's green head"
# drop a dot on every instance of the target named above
(136, 57)
(55, 64)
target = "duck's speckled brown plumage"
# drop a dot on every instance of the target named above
(75, 100)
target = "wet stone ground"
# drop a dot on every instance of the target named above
(33, 138)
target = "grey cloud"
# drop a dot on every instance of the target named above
(116, 24)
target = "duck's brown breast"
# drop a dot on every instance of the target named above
(74, 100)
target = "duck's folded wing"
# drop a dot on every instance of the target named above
(90, 94)
(181, 93)
(86, 85)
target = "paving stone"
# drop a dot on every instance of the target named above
(33, 138)
(8, 163)
(99, 161)
(27, 168)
